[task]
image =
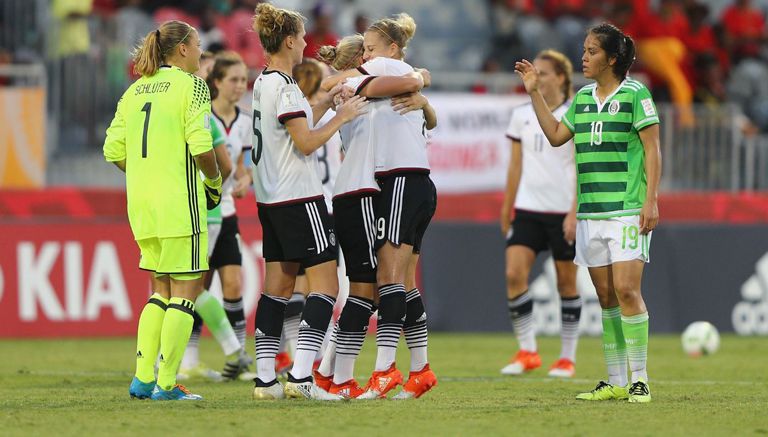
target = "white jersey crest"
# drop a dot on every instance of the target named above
(238, 135)
(548, 179)
(281, 174)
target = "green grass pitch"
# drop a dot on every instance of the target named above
(80, 387)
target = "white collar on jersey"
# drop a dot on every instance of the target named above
(613, 93)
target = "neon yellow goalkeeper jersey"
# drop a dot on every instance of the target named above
(161, 122)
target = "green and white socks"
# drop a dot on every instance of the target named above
(635, 329)
(625, 339)
(210, 310)
(614, 348)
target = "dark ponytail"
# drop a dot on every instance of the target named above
(616, 44)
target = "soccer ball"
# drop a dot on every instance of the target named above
(700, 338)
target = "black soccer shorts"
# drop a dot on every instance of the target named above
(406, 205)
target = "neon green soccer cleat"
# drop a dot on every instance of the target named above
(604, 392)
(639, 392)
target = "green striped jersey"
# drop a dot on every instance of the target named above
(610, 159)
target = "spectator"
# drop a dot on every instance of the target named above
(70, 35)
(238, 36)
(710, 82)
(745, 26)
(322, 33)
(211, 36)
(748, 87)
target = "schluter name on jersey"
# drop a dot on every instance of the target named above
(155, 87)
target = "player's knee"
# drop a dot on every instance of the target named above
(231, 286)
(517, 278)
(626, 291)
(607, 300)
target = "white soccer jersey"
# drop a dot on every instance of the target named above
(239, 136)
(548, 179)
(356, 173)
(282, 174)
(329, 161)
(400, 142)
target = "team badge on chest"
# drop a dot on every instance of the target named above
(613, 108)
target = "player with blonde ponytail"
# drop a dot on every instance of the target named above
(160, 138)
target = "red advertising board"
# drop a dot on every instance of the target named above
(72, 278)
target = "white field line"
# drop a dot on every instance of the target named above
(107, 374)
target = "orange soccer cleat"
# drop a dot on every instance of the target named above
(563, 368)
(324, 382)
(381, 383)
(524, 361)
(418, 383)
(348, 390)
(283, 363)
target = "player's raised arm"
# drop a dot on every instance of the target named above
(556, 131)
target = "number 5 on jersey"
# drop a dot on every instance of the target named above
(257, 143)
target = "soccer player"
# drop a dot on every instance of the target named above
(227, 83)
(541, 185)
(309, 75)
(294, 219)
(615, 128)
(355, 196)
(160, 137)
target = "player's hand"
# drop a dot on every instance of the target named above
(649, 216)
(426, 76)
(241, 187)
(528, 74)
(406, 103)
(569, 227)
(331, 97)
(352, 108)
(212, 191)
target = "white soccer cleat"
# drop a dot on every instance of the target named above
(515, 368)
(247, 376)
(199, 371)
(271, 391)
(319, 394)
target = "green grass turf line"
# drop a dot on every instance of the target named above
(80, 387)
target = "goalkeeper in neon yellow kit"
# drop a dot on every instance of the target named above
(160, 137)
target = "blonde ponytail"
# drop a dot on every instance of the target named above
(345, 55)
(158, 45)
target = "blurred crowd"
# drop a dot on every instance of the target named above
(692, 51)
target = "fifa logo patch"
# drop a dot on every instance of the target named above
(332, 238)
(207, 121)
(613, 108)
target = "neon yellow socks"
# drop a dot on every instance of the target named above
(148, 337)
(174, 336)
(635, 330)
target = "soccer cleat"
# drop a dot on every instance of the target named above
(563, 368)
(381, 383)
(267, 391)
(524, 361)
(639, 392)
(199, 371)
(247, 376)
(418, 383)
(234, 368)
(298, 388)
(140, 390)
(347, 390)
(283, 363)
(177, 393)
(604, 392)
(322, 381)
